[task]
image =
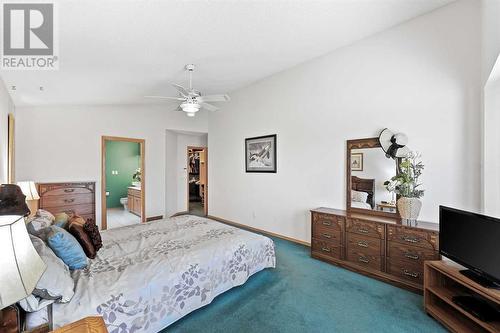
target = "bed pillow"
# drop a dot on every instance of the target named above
(81, 236)
(93, 231)
(55, 285)
(359, 196)
(66, 247)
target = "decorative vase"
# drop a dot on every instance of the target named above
(409, 209)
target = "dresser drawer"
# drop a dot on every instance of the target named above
(70, 199)
(363, 258)
(50, 190)
(326, 248)
(327, 233)
(78, 209)
(410, 254)
(409, 236)
(367, 245)
(328, 221)
(366, 228)
(410, 272)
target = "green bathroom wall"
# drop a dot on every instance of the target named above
(123, 157)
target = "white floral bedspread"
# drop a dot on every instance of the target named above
(147, 276)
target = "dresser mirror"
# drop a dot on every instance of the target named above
(367, 170)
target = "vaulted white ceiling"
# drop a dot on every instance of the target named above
(115, 52)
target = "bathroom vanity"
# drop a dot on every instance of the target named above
(135, 200)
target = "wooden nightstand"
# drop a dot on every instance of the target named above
(85, 325)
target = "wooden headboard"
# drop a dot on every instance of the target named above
(364, 185)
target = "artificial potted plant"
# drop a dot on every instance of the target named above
(407, 186)
(137, 178)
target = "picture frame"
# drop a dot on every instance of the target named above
(357, 162)
(260, 154)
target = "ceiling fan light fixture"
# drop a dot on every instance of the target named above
(190, 114)
(190, 108)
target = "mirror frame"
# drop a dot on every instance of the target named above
(360, 144)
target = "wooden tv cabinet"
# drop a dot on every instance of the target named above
(442, 281)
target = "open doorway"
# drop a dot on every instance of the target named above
(197, 181)
(123, 182)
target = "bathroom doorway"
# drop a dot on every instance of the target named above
(197, 183)
(123, 182)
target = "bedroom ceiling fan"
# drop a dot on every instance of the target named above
(192, 100)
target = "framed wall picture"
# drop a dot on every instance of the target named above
(260, 154)
(357, 162)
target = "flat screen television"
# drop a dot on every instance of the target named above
(472, 240)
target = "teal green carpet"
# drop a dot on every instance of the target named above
(306, 295)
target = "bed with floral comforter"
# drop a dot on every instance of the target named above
(147, 276)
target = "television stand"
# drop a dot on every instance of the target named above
(443, 282)
(482, 280)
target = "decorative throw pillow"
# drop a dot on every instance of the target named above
(55, 285)
(66, 247)
(76, 219)
(93, 231)
(61, 219)
(359, 196)
(36, 224)
(46, 214)
(81, 236)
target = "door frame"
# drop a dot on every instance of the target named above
(142, 147)
(205, 206)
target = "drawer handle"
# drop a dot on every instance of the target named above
(410, 274)
(363, 244)
(325, 249)
(410, 239)
(326, 223)
(412, 256)
(363, 260)
(363, 231)
(69, 200)
(326, 235)
(69, 190)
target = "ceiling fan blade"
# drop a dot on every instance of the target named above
(167, 97)
(181, 90)
(178, 109)
(209, 107)
(214, 98)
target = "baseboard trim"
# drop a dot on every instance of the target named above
(154, 218)
(180, 213)
(268, 233)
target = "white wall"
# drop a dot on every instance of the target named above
(421, 78)
(176, 167)
(6, 107)
(491, 115)
(63, 143)
(491, 194)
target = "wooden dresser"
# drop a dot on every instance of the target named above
(134, 201)
(375, 246)
(70, 196)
